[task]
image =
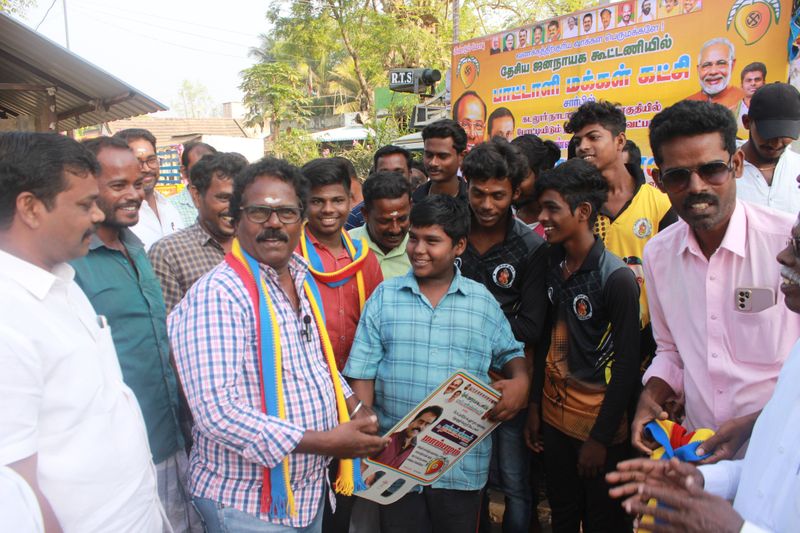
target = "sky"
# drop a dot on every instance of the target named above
(155, 45)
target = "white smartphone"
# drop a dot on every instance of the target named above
(754, 299)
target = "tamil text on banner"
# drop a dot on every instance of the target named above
(642, 54)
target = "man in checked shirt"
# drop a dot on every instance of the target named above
(215, 340)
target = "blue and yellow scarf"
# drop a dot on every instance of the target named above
(358, 251)
(277, 498)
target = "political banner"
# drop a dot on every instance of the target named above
(644, 55)
(432, 438)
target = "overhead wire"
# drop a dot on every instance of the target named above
(45, 15)
(93, 5)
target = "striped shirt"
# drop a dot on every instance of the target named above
(409, 348)
(213, 334)
(180, 259)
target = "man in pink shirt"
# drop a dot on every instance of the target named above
(713, 284)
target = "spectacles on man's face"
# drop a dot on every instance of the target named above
(259, 214)
(150, 162)
(677, 179)
(476, 126)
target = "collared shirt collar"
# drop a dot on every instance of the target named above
(298, 268)
(126, 236)
(400, 249)
(204, 238)
(590, 262)
(34, 279)
(734, 240)
(409, 281)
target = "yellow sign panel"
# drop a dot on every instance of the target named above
(644, 55)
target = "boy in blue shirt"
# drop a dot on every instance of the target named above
(414, 332)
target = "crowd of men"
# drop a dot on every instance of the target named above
(221, 360)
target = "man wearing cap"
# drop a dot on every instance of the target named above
(770, 167)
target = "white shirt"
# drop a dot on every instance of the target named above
(63, 399)
(783, 194)
(569, 33)
(765, 485)
(19, 509)
(150, 227)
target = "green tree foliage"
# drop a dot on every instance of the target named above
(19, 7)
(273, 93)
(193, 101)
(296, 147)
(336, 52)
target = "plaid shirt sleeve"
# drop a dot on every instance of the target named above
(159, 256)
(367, 350)
(208, 334)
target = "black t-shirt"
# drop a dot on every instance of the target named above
(422, 192)
(514, 272)
(592, 365)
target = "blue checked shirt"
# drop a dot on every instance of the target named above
(213, 335)
(409, 348)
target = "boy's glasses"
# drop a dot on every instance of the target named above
(677, 179)
(259, 214)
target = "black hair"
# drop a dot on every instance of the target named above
(351, 169)
(572, 147)
(689, 118)
(605, 10)
(603, 112)
(442, 210)
(227, 164)
(500, 112)
(419, 165)
(541, 155)
(552, 23)
(385, 185)
(189, 147)
(755, 66)
(134, 134)
(495, 159)
(391, 149)
(435, 409)
(96, 144)
(327, 171)
(417, 181)
(577, 181)
(444, 128)
(634, 154)
(588, 15)
(36, 163)
(273, 168)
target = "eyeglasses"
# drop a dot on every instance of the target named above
(472, 125)
(259, 214)
(151, 162)
(677, 179)
(795, 243)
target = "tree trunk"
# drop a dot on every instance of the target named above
(362, 80)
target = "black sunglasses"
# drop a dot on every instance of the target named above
(677, 179)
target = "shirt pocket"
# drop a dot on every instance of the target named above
(754, 337)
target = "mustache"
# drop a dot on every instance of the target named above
(129, 204)
(272, 233)
(699, 199)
